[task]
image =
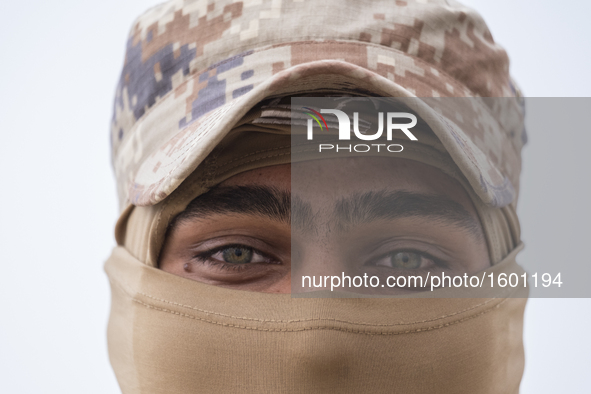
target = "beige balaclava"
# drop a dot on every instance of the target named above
(193, 109)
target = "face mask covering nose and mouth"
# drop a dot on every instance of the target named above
(168, 334)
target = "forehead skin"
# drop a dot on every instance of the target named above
(338, 177)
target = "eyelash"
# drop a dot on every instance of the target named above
(438, 262)
(205, 258)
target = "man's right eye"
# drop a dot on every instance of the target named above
(234, 255)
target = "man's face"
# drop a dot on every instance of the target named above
(263, 228)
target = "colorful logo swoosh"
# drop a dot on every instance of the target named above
(316, 118)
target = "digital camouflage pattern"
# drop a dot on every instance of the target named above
(193, 68)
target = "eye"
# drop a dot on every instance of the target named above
(237, 255)
(234, 255)
(404, 260)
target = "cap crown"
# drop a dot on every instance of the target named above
(186, 58)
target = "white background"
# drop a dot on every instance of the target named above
(59, 65)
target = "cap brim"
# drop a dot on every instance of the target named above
(163, 160)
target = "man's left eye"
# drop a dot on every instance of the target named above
(403, 260)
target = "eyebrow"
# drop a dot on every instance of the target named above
(270, 202)
(280, 206)
(387, 205)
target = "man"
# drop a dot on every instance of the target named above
(223, 205)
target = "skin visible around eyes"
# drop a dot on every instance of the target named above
(198, 245)
(267, 238)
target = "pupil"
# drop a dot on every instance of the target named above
(237, 255)
(406, 260)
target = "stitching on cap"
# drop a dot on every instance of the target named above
(257, 159)
(261, 158)
(252, 154)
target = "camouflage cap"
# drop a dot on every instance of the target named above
(193, 68)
